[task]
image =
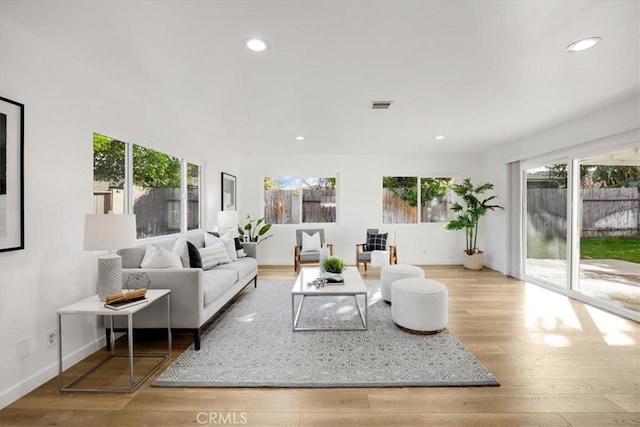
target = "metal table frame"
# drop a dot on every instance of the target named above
(327, 291)
(93, 306)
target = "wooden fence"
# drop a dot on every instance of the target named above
(157, 210)
(604, 211)
(283, 206)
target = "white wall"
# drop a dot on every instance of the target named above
(359, 203)
(64, 104)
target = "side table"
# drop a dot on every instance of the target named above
(93, 306)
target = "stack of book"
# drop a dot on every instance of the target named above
(125, 299)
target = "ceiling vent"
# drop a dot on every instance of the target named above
(381, 105)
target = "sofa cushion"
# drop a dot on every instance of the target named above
(310, 256)
(157, 257)
(132, 257)
(243, 266)
(216, 282)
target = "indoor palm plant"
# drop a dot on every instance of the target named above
(469, 211)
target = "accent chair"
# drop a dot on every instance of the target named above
(374, 241)
(308, 245)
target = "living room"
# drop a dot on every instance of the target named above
(67, 100)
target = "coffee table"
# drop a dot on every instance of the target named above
(353, 286)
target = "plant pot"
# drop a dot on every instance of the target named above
(473, 262)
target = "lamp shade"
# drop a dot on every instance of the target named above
(227, 219)
(109, 232)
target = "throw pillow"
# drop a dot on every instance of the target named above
(157, 257)
(241, 254)
(194, 256)
(188, 253)
(230, 245)
(310, 243)
(238, 244)
(377, 242)
(213, 255)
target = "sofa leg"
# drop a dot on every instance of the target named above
(255, 282)
(108, 335)
(196, 339)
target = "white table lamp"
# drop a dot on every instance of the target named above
(227, 220)
(109, 232)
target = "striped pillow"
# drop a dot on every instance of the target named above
(214, 255)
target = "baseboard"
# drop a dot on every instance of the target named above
(14, 393)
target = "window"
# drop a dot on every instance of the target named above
(295, 200)
(400, 195)
(155, 194)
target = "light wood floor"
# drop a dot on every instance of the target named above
(560, 363)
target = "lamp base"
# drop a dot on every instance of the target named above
(109, 275)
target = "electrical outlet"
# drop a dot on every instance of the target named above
(52, 337)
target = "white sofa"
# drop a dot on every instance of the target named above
(197, 295)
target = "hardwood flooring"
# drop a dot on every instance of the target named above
(559, 361)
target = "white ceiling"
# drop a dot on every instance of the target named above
(481, 73)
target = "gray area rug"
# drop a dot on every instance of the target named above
(252, 345)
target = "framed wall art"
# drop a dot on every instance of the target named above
(228, 202)
(11, 175)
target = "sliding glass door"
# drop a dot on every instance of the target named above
(581, 228)
(545, 253)
(609, 227)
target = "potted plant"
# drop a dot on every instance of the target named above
(469, 211)
(254, 230)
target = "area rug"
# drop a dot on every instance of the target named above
(252, 345)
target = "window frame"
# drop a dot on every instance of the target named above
(183, 193)
(299, 186)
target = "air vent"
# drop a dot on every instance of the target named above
(380, 105)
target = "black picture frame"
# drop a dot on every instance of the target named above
(227, 192)
(11, 175)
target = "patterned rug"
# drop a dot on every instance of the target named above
(252, 345)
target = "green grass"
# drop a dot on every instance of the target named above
(622, 248)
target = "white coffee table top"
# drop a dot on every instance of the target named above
(353, 283)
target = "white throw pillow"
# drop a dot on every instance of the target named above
(213, 255)
(311, 243)
(241, 253)
(180, 248)
(230, 245)
(157, 257)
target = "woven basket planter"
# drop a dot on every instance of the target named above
(473, 262)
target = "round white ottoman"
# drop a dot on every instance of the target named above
(419, 305)
(391, 273)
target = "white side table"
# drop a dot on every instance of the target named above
(93, 306)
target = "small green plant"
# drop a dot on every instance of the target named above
(254, 230)
(333, 265)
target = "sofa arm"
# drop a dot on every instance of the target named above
(187, 296)
(251, 249)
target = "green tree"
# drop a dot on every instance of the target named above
(151, 168)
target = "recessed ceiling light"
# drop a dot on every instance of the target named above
(440, 137)
(300, 138)
(583, 44)
(256, 45)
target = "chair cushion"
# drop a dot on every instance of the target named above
(376, 242)
(364, 256)
(310, 256)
